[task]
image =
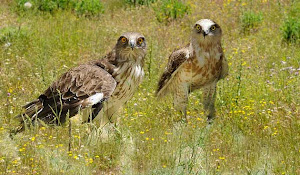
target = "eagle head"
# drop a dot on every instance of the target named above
(131, 45)
(206, 30)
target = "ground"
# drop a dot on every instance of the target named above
(257, 129)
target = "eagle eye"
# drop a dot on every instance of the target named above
(198, 27)
(213, 28)
(123, 39)
(140, 40)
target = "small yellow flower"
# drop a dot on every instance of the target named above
(142, 132)
(168, 133)
(152, 139)
(15, 161)
(32, 138)
(147, 138)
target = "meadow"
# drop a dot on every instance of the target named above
(257, 129)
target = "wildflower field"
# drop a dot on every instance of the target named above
(257, 129)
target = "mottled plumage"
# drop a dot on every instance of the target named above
(200, 64)
(112, 79)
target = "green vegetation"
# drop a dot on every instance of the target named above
(250, 21)
(168, 10)
(257, 130)
(82, 7)
(89, 7)
(291, 26)
(139, 2)
(10, 34)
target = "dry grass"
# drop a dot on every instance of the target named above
(257, 130)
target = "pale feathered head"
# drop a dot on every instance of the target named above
(131, 45)
(206, 30)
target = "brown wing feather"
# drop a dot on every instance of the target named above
(69, 94)
(225, 67)
(175, 61)
(81, 82)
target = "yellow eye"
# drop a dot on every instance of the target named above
(123, 39)
(140, 41)
(213, 28)
(198, 27)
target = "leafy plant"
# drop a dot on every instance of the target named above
(89, 7)
(139, 2)
(291, 26)
(82, 7)
(47, 5)
(8, 34)
(65, 4)
(291, 30)
(250, 21)
(171, 9)
(21, 4)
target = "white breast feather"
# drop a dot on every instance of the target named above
(94, 99)
(200, 55)
(138, 71)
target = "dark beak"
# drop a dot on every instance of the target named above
(204, 34)
(132, 44)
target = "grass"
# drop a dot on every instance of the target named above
(257, 130)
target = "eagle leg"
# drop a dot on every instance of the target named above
(97, 108)
(209, 97)
(181, 100)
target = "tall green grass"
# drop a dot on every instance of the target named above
(257, 128)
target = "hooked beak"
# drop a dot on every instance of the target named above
(205, 33)
(132, 44)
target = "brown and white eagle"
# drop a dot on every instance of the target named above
(198, 65)
(102, 85)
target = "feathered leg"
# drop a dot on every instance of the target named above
(97, 108)
(209, 97)
(181, 99)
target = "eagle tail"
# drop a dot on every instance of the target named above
(49, 112)
(32, 110)
(167, 86)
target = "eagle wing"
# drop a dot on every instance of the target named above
(176, 59)
(82, 82)
(225, 67)
(80, 87)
